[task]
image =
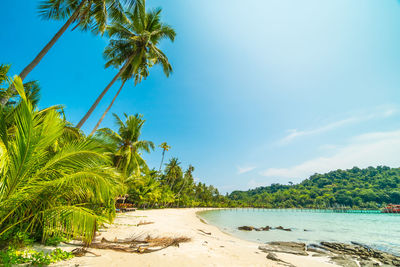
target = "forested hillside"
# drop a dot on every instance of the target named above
(364, 188)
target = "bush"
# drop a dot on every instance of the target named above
(54, 241)
(12, 257)
(15, 239)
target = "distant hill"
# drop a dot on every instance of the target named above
(363, 188)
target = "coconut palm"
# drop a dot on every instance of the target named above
(86, 14)
(51, 190)
(127, 145)
(138, 76)
(133, 47)
(173, 172)
(165, 147)
(32, 89)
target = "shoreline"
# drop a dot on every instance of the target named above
(209, 246)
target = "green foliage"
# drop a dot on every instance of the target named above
(11, 257)
(54, 240)
(173, 188)
(15, 239)
(127, 145)
(32, 89)
(93, 15)
(134, 41)
(356, 188)
(51, 183)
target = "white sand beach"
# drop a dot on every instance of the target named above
(217, 249)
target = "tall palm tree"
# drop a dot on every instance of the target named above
(51, 190)
(173, 172)
(87, 14)
(133, 47)
(165, 147)
(138, 76)
(127, 145)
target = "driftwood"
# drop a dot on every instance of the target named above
(204, 232)
(144, 223)
(133, 245)
(79, 252)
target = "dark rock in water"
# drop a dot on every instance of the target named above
(251, 228)
(284, 229)
(305, 230)
(317, 249)
(285, 247)
(246, 228)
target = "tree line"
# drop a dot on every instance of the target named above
(355, 188)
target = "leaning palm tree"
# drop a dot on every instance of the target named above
(127, 145)
(143, 72)
(133, 47)
(165, 147)
(48, 190)
(86, 14)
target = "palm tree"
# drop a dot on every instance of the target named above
(133, 47)
(141, 73)
(127, 145)
(173, 173)
(67, 189)
(86, 14)
(32, 89)
(165, 147)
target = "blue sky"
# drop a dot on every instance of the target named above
(263, 91)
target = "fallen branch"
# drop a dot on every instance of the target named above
(133, 245)
(144, 223)
(80, 252)
(204, 232)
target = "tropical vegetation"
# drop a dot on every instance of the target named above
(58, 183)
(53, 180)
(371, 188)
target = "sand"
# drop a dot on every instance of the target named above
(217, 249)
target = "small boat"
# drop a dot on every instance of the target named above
(391, 208)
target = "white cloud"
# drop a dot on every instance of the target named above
(253, 183)
(242, 170)
(379, 113)
(370, 149)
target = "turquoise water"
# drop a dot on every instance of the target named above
(380, 231)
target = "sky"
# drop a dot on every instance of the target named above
(263, 91)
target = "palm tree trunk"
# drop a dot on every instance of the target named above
(90, 111)
(108, 109)
(162, 159)
(50, 44)
(42, 53)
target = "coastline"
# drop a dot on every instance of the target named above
(209, 246)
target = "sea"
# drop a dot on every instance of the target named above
(378, 230)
